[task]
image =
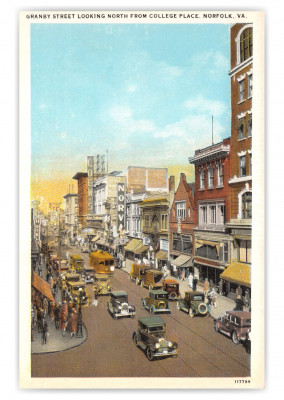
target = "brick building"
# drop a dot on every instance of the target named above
(82, 178)
(240, 182)
(212, 242)
(181, 227)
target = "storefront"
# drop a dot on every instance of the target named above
(129, 250)
(238, 274)
(183, 266)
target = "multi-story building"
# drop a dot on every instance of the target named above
(240, 181)
(212, 210)
(71, 216)
(144, 179)
(82, 179)
(181, 227)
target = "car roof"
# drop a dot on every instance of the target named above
(152, 321)
(155, 271)
(101, 255)
(240, 314)
(119, 293)
(77, 283)
(170, 280)
(158, 291)
(104, 276)
(194, 293)
(76, 257)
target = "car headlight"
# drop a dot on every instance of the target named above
(157, 345)
(170, 344)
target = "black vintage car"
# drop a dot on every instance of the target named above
(118, 305)
(150, 337)
(193, 303)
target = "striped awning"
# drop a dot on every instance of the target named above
(133, 245)
(237, 273)
(162, 255)
(141, 249)
(183, 261)
(42, 286)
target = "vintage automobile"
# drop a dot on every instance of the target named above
(85, 249)
(138, 272)
(77, 293)
(102, 262)
(193, 303)
(76, 262)
(101, 285)
(235, 324)
(88, 274)
(118, 305)
(150, 337)
(157, 301)
(171, 286)
(152, 279)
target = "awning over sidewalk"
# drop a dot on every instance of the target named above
(237, 273)
(141, 249)
(183, 261)
(133, 244)
(162, 255)
(42, 286)
(95, 238)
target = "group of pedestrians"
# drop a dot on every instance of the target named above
(209, 291)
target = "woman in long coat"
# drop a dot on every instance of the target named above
(72, 323)
(63, 317)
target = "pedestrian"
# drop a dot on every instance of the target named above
(35, 315)
(57, 315)
(32, 323)
(51, 311)
(239, 304)
(206, 287)
(194, 283)
(45, 307)
(39, 319)
(63, 317)
(72, 322)
(213, 298)
(44, 332)
(239, 292)
(221, 287)
(190, 281)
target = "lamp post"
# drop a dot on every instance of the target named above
(79, 332)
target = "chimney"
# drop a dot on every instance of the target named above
(171, 183)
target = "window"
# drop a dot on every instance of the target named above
(246, 44)
(241, 128)
(164, 221)
(250, 125)
(203, 215)
(244, 251)
(243, 166)
(207, 251)
(210, 177)
(147, 220)
(220, 177)
(212, 214)
(180, 207)
(221, 214)
(224, 252)
(242, 90)
(247, 205)
(182, 243)
(250, 164)
(202, 179)
(249, 86)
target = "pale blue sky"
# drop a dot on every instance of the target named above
(145, 92)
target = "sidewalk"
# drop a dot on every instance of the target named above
(223, 303)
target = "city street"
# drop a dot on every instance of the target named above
(109, 350)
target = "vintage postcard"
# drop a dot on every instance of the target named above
(141, 230)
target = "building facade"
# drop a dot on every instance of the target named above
(82, 179)
(212, 243)
(71, 216)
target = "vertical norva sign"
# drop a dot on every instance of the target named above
(120, 207)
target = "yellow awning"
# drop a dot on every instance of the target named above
(141, 249)
(133, 244)
(162, 255)
(237, 273)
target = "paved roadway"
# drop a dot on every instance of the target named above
(110, 352)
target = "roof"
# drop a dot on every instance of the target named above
(194, 293)
(76, 257)
(101, 254)
(240, 314)
(183, 261)
(77, 283)
(237, 273)
(142, 265)
(88, 268)
(101, 276)
(171, 280)
(42, 286)
(159, 291)
(133, 244)
(119, 293)
(79, 175)
(152, 321)
(155, 271)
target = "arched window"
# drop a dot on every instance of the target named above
(246, 44)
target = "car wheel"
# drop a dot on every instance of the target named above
(136, 338)
(235, 338)
(191, 313)
(216, 329)
(143, 303)
(114, 316)
(149, 353)
(137, 281)
(151, 310)
(173, 295)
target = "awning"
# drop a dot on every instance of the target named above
(199, 243)
(141, 249)
(183, 261)
(242, 237)
(95, 238)
(237, 273)
(133, 244)
(162, 255)
(101, 242)
(42, 286)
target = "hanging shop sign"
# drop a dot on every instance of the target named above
(120, 207)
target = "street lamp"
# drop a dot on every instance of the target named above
(79, 332)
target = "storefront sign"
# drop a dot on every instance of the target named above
(120, 207)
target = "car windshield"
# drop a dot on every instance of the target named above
(156, 329)
(157, 278)
(246, 323)
(198, 297)
(161, 296)
(121, 299)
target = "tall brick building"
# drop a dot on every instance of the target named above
(240, 182)
(82, 179)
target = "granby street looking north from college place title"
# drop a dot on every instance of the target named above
(135, 276)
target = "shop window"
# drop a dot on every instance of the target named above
(182, 243)
(207, 251)
(246, 44)
(241, 90)
(224, 252)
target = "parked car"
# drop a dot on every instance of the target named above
(88, 274)
(193, 303)
(156, 301)
(235, 324)
(85, 249)
(138, 272)
(150, 337)
(77, 293)
(152, 279)
(76, 262)
(118, 305)
(101, 284)
(171, 286)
